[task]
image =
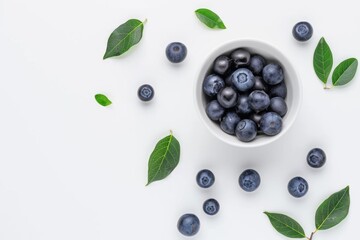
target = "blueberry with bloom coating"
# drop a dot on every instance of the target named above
(214, 110)
(302, 31)
(298, 187)
(227, 97)
(240, 57)
(249, 180)
(242, 79)
(211, 206)
(176, 52)
(188, 224)
(205, 178)
(221, 65)
(271, 123)
(212, 85)
(257, 64)
(246, 130)
(228, 122)
(146, 92)
(278, 105)
(273, 74)
(259, 101)
(316, 158)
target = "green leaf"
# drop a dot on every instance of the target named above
(102, 100)
(164, 158)
(333, 210)
(344, 72)
(286, 225)
(323, 60)
(124, 37)
(209, 18)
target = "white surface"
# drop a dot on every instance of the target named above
(71, 169)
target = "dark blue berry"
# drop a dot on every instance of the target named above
(212, 85)
(229, 122)
(146, 92)
(257, 64)
(176, 52)
(260, 84)
(188, 224)
(242, 79)
(278, 90)
(205, 178)
(278, 105)
(302, 31)
(259, 100)
(273, 74)
(214, 110)
(298, 187)
(240, 57)
(256, 117)
(271, 123)
(227, 97)
(246, 130)
(249, 180)
(211, 206)
(243, 108)
(221, 65)
(316, 158)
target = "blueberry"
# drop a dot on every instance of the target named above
(298, 187)
(257, 64)
(242, 79)
(214, 110)
(243, 108)
(146, 92)
(188, 224)
(273, 74)
(229, 122)
(205, 178)
(249, 180)
(240, 57)
(316, 158)
(271, 123)
(211, 206)
(176, 52)
(259, 100)
(221, 65)
(302, 31)
(227, 97)
(260, 84)
(256, 117)
(212, 85)
(278, 105)
(246, 130)
(278, 90)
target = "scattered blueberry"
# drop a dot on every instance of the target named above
(249, 180)
(271, 123)
(260, 84)
(212, 85)
(176, 52)
(257, 64)
(229, 122)
(222, 65)
(214, 110)
(146, 92)
(205, 178)
(278, 90)
(278, 105)
(273, 74)
(316, 158)
(242, 79)
(227, 97)
(188, 224)
(259, 100)
(298, 187)
(246, 130)
(240, 57)
(302, 31)
(211, 206)
(243, 108)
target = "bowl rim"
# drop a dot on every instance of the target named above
(247, 43)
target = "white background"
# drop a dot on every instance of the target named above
(71, 169)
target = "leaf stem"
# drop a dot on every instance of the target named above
(327, 87)
(311, 236)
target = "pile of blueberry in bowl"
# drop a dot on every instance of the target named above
(248, 93)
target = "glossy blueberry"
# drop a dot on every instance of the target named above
(302, 31)
(271, 123)
(211, 206)
(176, 52)
(260, 84)
(259, 100)
(212, 85)
(214, 110)
(188, 224)
(249, 180)
(316, 158)
(229, 121)
(279, 90)
(146, 92)
(205, 178)
(227, 97)
(273, 74)
(240, 57)
(243, 108)
(278, 105)
(246, 130)
(221, 65)
(257, 64)
(256, 117)
(298, 187)
(242, 79)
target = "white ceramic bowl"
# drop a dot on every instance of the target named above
(293, 99)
